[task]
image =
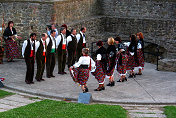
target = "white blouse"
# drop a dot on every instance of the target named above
(85, 60)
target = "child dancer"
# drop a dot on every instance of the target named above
(100, 70)
(121, 59)
(132, 55)
(111, 57)
(80, 70)
(140, 52)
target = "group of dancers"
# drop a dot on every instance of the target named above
(118, 56)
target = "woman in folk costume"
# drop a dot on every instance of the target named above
(80, 70)
(132, 55)
(140, 53)
(121, 59)
(9, 35)
(99, 71)
(111, 57)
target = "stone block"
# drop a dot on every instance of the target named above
(85, 98)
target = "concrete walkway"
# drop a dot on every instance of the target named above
(15, 101)
(152, 87)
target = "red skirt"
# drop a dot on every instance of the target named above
(140, 57)
(122, 68)
(99, 73)
(80, 75)
(131, 62)
(12, 49)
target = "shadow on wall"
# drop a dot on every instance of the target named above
(151, 52)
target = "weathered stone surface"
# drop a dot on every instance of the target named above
(167, 65)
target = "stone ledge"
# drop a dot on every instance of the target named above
(167, 65)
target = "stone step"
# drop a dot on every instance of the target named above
(6, 107)
(146, 111)
(19, 98)
(136, 115)
(12, 103)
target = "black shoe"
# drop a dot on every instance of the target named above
(31, 82)
(103, 88)
(42, 80)
(138, 74)
(125, 79)
(113, 83)
(119, 80)
(109, 84)
(52, 76)
(98, 89)
(27, 82)
(48, 76)
(130, 76)
(134, 75)
(60, 73)
(64, 73)
(86, 89)
(38, 80)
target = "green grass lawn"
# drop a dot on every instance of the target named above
(5, 93)
(57, 109)
(170, 111)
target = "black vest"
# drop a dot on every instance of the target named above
(80, 43)
(50, 46)
(72, 45)
(27, 51)
(59, 49)
(39, 52)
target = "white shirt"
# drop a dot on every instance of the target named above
(25, 44)
(127, 44)
(58, 40)
(53, 42)
(69, 38)
(78, 36)
(139, 46)
(85, 60)
(38, 44)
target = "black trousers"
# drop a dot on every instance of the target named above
(50, 64)
(78, 53)
(61, 60)
(30, 69)
(40, 67)
(71, 57)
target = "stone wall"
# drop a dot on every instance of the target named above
(74, 10)
(162, 32)
(27, 16)
(152, 9)
(155, 18)
(167, 65)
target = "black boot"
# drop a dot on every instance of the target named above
(112, 83)
(130, 76)
(133, 75)
(86, 89)
(109, 84)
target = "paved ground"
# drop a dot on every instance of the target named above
(152, 87)
(14, 101)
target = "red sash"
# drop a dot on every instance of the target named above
(44, 54)
(63, 46)
(32, 53)
(84, 45)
